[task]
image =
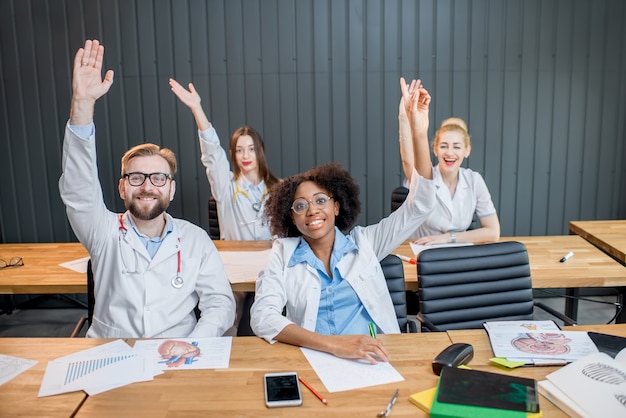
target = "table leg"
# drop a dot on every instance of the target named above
(571, 303)
(621, 317)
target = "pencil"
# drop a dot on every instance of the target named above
(309, 387)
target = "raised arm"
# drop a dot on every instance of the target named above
(416, 100)
(192, 100)
(87, 84)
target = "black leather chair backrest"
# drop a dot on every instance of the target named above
(462, 287)
(214, 223)
(394, 274)
(398, 196)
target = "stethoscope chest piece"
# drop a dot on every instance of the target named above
(177, 282)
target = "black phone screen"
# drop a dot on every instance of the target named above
(282, 388)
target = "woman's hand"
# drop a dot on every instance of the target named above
(358, 347)
(433, 239)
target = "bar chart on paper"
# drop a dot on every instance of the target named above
(79, 369)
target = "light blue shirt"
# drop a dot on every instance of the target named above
(340, 311)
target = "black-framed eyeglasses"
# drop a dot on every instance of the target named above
(157, 179)
(301, 205)
(13, 262)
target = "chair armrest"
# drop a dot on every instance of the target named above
(426, 324)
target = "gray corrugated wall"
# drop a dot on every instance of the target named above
(541, 83)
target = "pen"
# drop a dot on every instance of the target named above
(407, 259)
(309, 387)
(372, 328)
(392, 402)
(567, 257)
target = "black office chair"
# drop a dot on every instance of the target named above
(394, 274)
(398, 196)
(90, 303)
(462, 287)
(214, 223)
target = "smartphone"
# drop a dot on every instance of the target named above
(282, 389)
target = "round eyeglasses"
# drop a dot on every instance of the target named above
(13, 262)
(301, 205)
(157, 179)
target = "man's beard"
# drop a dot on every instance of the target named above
(147, 214)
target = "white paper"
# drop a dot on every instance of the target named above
(542, 347)
(244, 266)
(521, 326)
(417, 248)
(79, 265)
(187, 353)
(596, 383)
(11, 367)
(95, 370)
(338, 374)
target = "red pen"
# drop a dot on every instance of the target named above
(407, 259)
(305, 383)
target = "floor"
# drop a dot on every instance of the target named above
(55, 316)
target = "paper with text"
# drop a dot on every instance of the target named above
(187, 353)
(339, 374)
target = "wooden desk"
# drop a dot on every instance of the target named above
(589, 267)
(609, 236)
(236, 391)
(41, 273)
(18, 397)
(483, 352)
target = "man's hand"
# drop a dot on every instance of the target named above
(87, 85)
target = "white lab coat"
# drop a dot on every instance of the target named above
(298, 288)
(134, 294)
(237, 217)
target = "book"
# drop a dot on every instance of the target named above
(593, 386)
(537, 343)
(423, 399)
(465, 393)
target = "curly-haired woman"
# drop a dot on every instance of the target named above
(325, 273)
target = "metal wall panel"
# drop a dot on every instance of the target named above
(542, 85)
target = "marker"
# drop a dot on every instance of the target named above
(372, 328)
(567, 257)
(313, 391)
(407, 259)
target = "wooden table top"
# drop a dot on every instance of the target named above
(482, 353)
(18, 397)
(238, 390)
(41, 273)
(589, 267)
(610, 236)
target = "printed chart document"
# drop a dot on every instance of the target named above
(417, 248)
(12, 366)
(339, 374)
(244, 266)
(187, 353)
(79, 265)
(593, 386)
(96, 370)
(537, 342)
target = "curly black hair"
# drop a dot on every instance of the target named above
(339, 184)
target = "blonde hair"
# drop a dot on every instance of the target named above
(148, 150)
(453, 125)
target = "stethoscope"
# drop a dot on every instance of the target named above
(177, 282)
(256, 205)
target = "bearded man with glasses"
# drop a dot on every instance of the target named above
(150, 270)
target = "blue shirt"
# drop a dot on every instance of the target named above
(340, 311)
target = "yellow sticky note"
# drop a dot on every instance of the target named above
(501, 361)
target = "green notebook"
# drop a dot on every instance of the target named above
(472, 393)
